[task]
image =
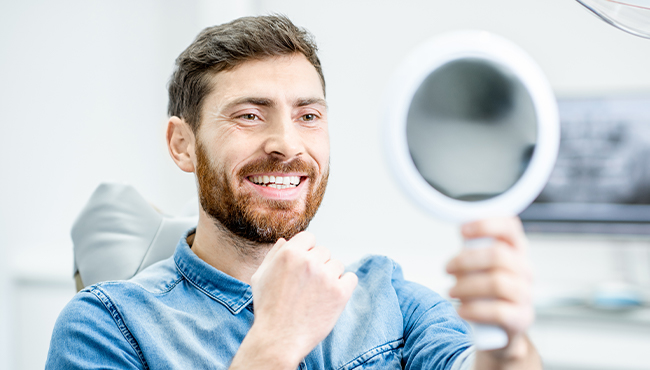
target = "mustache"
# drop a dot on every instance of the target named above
(273, 164)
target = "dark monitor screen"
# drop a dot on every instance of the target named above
(601, 181)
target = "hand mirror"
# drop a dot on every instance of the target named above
(472, 132)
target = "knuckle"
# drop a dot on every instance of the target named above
(325, 251)
(285, 254)
(482, 227)
(313, 267)
(309, 236)
(289, 256)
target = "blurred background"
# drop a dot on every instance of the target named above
(83, 100)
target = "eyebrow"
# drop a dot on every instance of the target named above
(251, 100)
(264, 102)
(305, 102)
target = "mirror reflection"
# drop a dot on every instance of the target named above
(471, 129)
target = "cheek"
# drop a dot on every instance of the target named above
(320, 149)
(233, 151)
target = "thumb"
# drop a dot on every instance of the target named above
(268, 258)
(274, 250)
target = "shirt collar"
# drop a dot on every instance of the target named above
(232, 293)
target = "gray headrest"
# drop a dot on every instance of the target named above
(118, 234)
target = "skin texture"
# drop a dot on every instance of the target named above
(274, 110)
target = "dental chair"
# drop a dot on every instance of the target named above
(118, 234)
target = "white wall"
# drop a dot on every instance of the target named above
(363, 41)
(83, 100)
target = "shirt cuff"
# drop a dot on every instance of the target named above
(465, 360)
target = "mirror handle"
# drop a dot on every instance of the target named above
(486, 337)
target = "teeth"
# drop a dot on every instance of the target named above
(279, 182)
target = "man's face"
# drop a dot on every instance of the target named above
(262, 154)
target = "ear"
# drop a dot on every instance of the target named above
(181, 143)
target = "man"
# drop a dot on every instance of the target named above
(248, 288)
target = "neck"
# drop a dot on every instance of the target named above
(225, 251)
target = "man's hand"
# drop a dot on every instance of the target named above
(494, 286)
(299, 293)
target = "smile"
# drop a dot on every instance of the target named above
(276, 182)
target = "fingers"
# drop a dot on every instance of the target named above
(513, 318)
(507, 229)
(319, 254)
(303, 247)
(494, 284)
(503, 286)
(299, 244)
(318, 258)
(498, 257)
(334, 268)
(347, 281)
(275, 248)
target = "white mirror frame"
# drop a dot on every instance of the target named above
(403, 86)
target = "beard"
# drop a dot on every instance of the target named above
(253, 217)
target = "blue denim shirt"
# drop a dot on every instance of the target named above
(182, 313)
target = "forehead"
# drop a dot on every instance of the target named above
(286, 77)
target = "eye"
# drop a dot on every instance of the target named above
(309, 117)
(249, 117)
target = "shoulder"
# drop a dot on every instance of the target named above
(376, 269)
(91, 329)
(86, 334)
(432, 332)
(383, 277)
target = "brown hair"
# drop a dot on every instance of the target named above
(223, 47)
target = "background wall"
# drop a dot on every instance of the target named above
(83, 100)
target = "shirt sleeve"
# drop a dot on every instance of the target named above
(435, 337)
(87, 336)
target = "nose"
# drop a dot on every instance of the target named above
(283, 139)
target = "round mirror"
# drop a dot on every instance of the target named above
(472, 132)
(472, 127)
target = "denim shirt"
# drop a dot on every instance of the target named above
(182, 313)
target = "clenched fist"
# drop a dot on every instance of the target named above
(299, 292)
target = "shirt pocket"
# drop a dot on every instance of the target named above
(384, 357)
